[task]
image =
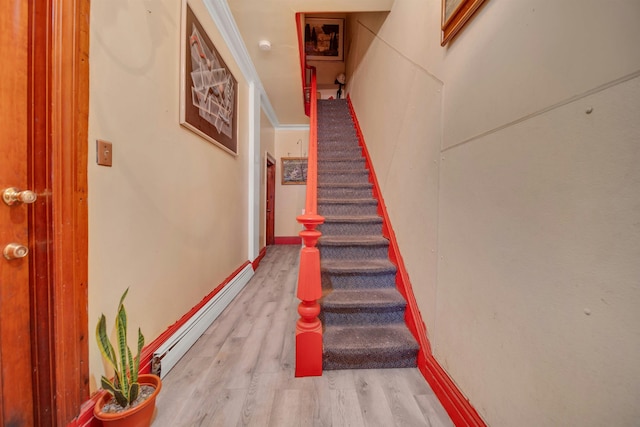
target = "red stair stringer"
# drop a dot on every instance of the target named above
(454, 402)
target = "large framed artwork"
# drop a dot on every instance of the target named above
(456, 13)
(324, 39)
(294, 170)
(208, 90)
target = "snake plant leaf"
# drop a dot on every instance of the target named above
(108, 385)
(121, 398)
(131, 372)
(117, 394)
(104, 344)
(136, 367)
(126, 291)
(133, 392)
(121, 330)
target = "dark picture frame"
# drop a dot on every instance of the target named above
(455, 14)
(293, 170)
(324, 39)
(208, 89)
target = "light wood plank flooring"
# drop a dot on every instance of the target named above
(241, 371)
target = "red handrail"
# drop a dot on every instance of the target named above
(308, 326)
(304, 68)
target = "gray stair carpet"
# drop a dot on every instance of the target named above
(361, 310)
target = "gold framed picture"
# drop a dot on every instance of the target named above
(456, 13)
(294, 170)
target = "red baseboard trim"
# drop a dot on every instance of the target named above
(256, 262)
(460, 410)
(288, 240)
(85, 418)
(457, 406)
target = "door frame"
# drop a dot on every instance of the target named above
(270, 190)
(58, 143)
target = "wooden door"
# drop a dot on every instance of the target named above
(43, 147)
(271, 204)
(16, 385)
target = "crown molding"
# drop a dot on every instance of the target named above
(221, 15)
(292, 127)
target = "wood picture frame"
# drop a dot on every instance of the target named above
(293, 170)
(455, 14)
(324, 39)
(208, 89)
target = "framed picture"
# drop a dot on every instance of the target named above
(294, 170)
(456, 13)
(324, 39)
(208, 90)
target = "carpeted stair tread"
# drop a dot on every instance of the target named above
(347, 240)
(353, 218)
(378, 299)
(345, 190)
(359, 338)
(339, 162)
(361, 201)
(357, 266)
(339, 151)
(342, 172)
(345, 185)
(363, 347)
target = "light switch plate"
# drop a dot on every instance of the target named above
(104, 152)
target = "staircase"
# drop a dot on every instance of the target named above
(361, 310)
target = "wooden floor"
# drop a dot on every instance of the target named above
(241, 371)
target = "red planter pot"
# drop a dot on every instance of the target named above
(140, 416)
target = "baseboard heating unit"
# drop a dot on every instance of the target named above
(172, 350)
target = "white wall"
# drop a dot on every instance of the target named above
(398, 105)
(290, 199)
(531, 295)
(169, 219)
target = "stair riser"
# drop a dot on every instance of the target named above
(344, 193)
(329, 121)
(325, 209)
(350, 229)
(339, 153)
(336, 138)
(338, 149)
(336, 122)
(352, 178)
(361, 318)
(332, 165)
(370, 360)
(353, 252)
(340, 281)
(335, 127)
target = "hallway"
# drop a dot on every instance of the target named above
(241, 371)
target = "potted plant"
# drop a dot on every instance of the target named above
(130, 398)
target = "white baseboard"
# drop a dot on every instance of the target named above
(172, 350)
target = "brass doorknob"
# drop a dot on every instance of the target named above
(15, 250)
(12, 195)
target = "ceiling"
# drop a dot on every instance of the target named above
(278, 69)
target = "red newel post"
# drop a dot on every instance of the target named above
(308, 327)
